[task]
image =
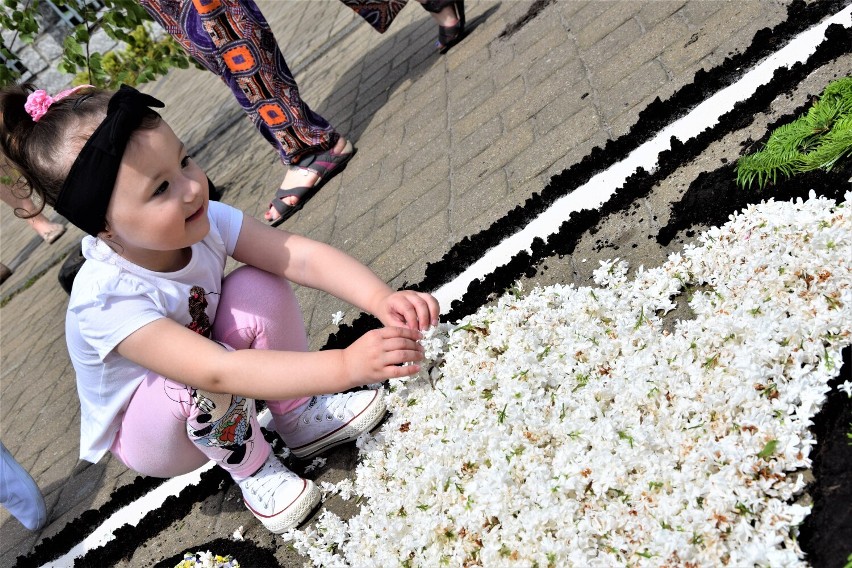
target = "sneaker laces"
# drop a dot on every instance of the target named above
(266, 480)
(328, 406)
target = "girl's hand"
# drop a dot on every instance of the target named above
(377, 354)
(410, 309)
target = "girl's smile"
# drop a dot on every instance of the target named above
(201, 211)
(159, 205)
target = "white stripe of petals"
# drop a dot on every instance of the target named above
(566, 427)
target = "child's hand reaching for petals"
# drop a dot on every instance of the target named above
(410, 309)
(378, 355)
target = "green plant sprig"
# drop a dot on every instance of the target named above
(816, 140)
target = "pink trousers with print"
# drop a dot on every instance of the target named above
(170, 429)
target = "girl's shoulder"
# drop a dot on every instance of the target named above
(225, 223)
(100, 282)
(106, 277)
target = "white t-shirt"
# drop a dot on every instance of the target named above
(112, 298)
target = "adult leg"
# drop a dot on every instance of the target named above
(26, 209)
(19, 493)
(449, 15)
(233, 39)
(259, 310)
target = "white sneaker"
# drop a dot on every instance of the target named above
(330, 420)
(279, 498)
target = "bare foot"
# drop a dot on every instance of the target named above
(299, 177)
(447, 17)
(46, 229)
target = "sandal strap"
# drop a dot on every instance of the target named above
(324, 162)
(325, 165)
(295, 191)
(280, 206)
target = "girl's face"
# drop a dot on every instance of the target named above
(159, 205)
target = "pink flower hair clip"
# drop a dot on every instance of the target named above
(39, 101)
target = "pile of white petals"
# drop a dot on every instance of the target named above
(569, 428)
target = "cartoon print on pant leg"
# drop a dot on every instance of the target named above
(224, 422)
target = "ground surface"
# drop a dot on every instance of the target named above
(455, 153)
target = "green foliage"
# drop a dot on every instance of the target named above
(816, 140)
(142, 58)
(21, 19)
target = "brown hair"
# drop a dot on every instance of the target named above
(42, 152)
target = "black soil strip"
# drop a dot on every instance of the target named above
(657, 115)
(838, 42)
(128, 539)
(826, 534)
(713, 196)
(74, 532)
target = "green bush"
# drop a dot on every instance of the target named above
(816, 140)
(142, 58)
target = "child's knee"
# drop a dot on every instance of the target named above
(258, 283)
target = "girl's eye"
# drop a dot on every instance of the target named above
(185, 162)
(161, 189)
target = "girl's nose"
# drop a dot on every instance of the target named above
(193, 189)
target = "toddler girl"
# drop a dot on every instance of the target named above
(168, 352)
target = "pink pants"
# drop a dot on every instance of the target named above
(170, 429)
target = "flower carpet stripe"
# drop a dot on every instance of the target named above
(599, 188)
(568, 428)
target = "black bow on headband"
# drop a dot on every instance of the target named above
(85, 195)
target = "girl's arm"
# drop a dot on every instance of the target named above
(169, 349)
(317, 265)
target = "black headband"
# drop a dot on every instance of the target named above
(85, 195)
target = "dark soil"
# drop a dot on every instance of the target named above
(826, 534)
(713, 196)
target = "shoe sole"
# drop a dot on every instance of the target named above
(368, 419)
(294, 513)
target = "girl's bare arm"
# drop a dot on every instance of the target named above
(169, 349)
(317, 265)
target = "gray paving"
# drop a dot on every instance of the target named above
(447, 145)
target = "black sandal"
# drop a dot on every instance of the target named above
(448, 36)
(326, 165)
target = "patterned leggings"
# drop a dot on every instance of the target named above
(232, 39)
(170, 429)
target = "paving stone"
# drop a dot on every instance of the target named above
(606, 23)
(494, 158)
(535, 98)
(631, 90)
(497, 105)
(534, 159)
(652, 13)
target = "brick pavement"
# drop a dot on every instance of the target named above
(447, 145)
